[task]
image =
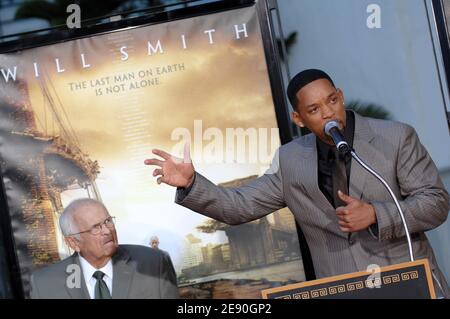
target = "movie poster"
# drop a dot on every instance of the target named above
(78, 119)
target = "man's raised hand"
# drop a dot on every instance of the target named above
(356, 216)
(173, 171)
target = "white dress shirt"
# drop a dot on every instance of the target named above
(88, 272)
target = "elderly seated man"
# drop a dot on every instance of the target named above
(100, 268)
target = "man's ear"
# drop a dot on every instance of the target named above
(297, 119)
(72, 243)
(341, 95)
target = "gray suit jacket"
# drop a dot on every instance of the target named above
(391, 148)
(138, 273)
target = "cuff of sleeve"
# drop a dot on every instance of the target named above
(182, 192)
(385, 220)
(373, 230)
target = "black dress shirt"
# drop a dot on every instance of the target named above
(326, 160)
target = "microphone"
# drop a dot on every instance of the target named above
(332, 129)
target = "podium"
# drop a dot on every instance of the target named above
(410, 280)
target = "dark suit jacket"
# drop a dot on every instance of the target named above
(139, 272)
(391, 148)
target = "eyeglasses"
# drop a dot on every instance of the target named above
(97, 228)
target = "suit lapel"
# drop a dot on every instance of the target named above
(361, 143)
(81, 292)
(123, 271)
(309, 173)
(363, 137)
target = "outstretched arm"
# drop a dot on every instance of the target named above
(233, 206)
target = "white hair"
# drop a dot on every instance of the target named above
(67, 221)
(152, 239)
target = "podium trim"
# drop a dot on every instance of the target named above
(420, 262)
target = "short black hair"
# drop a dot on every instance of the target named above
(302, 79)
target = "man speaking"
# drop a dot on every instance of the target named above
(348, 218)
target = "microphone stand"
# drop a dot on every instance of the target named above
(400, 211)
(332, 130)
